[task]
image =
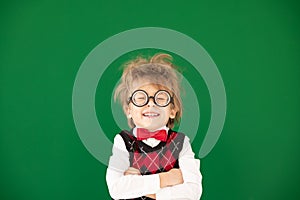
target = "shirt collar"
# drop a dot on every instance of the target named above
(161, 128)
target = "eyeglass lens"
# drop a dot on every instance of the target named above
(161, 98)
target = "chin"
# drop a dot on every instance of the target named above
(154, 127)
(152, 124)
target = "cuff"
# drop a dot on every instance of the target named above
(164, 194)
(153, 183)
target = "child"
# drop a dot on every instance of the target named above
(151, 161)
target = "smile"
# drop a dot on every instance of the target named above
(150, 114)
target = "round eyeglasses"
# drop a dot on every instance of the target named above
(161, 98)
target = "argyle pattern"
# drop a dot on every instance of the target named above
(160, 158)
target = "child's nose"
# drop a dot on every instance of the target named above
(151, 101)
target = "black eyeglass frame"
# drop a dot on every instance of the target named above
(171, 99)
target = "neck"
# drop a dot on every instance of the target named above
(151, 130)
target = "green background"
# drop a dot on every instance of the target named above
(255, 45)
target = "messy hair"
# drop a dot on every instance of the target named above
(157, 70)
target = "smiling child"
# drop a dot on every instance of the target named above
(151, 161)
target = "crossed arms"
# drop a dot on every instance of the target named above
(125, 182)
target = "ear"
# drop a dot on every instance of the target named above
(128, 112)
(173, 113)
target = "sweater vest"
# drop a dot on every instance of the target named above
(160, 158)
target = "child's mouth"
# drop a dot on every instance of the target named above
(150, 114)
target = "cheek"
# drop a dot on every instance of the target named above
(170, 112)
(134, 111)
(131, 108)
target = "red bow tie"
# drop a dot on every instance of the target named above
(143, 134)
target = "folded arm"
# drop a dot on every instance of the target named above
(191, 188)
(183, 183)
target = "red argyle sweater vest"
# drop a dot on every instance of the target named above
(160, 158)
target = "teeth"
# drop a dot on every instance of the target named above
(150, 115)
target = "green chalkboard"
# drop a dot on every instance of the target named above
(254, 44)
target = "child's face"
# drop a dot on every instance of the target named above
(150, 116)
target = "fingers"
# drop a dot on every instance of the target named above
(175, 177)
(176, 172)
(132, 171)
(152, 196)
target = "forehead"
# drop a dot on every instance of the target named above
(148, 87)
(151, 88)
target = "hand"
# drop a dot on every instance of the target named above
(132, 171)
(152, 196)
(175, 177)
(171, 178)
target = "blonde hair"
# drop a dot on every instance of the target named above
(159, 71)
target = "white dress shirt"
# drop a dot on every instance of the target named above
(133, 186)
